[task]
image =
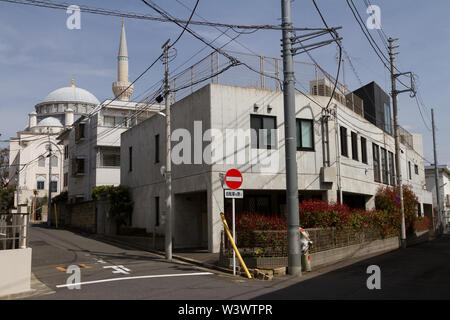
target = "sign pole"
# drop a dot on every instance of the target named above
(234, 237)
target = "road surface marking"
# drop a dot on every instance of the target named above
(82, 265)
(118, 269)
(137, 277)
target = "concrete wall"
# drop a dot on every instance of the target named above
(83, 216)
(15, 271)
(334, 255)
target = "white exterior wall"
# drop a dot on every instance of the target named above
(98, 135)
(444, 184)
(222, 107)
(31, 146)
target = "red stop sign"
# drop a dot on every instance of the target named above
(233, 179)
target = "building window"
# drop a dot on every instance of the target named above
(66, 152)
(114, 121)
(363, 150)
(110, 160)
(41, 161)
(391, 168)
(79, 131)
(387, 118)
(40, 185)
(66, 179)
(409, 170)
(354, 138)
(109, 157)
(384, 166)
(54, 161)
(416, 169)
(376, 163)
(156, 211)
(130, 159)
(78, 166)
(157, 148)
(263, 132)
(305, 134)
(344, 149)
(54, 186)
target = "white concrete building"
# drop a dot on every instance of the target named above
(28, 160)
(444, 188)
(339, 153)
(92, 144)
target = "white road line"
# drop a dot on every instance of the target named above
(137, 277)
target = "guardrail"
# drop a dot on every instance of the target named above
(14, 231)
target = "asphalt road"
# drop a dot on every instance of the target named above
(418, 272)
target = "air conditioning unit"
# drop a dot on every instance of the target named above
(324, 87)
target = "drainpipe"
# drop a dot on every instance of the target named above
(338, 154)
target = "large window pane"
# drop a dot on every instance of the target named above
(305, 137)
(108, 121)
(263, 131)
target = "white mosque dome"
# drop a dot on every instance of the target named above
(50, 122)
(71, 94)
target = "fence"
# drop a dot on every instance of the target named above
(262, 72)
(270, 243)
(13, 231)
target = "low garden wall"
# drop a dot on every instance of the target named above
(268, 249)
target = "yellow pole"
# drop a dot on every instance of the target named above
(56, 216)
(234, 245)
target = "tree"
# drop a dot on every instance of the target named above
(4, 165)
(7, 198)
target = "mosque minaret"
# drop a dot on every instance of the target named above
(122, 84)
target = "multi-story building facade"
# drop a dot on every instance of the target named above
(444, 188)
(92, 146)
(341, 156)
(28, 152)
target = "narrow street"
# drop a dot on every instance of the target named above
(419, 272)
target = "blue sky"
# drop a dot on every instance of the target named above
(38, 54)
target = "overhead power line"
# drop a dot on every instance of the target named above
(133, 15)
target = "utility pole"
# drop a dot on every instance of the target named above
(168, 173)
(293, 232)
(436, 178)
(49, 203)
(396, 138)
(394, 94)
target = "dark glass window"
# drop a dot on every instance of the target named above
(130, 159)
(409, 170)
(354, 138)
(157, 148)
(54, 186)
(363, 150)
(376, 163)
(156, 211)
(40, 185)
(384, 166)
(416, 169)
(391, 168)
(263, 131)
(344, 150)
(305, 134)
